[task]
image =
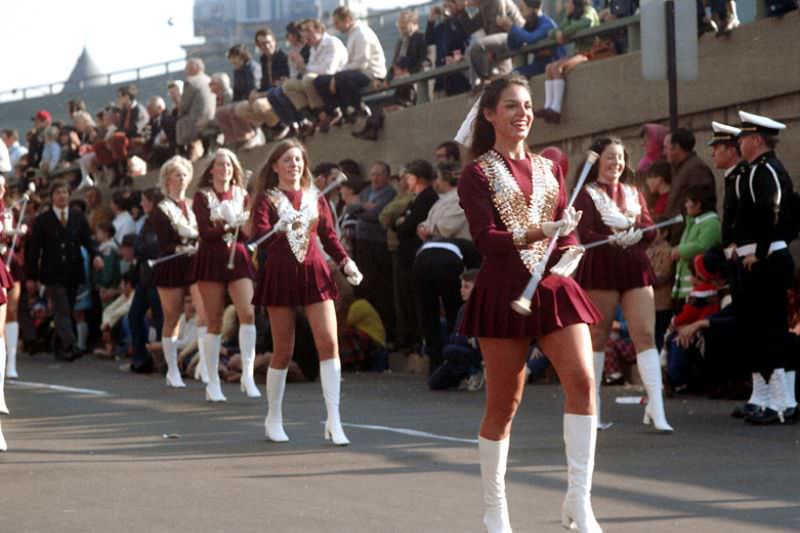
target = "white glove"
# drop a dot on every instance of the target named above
(23, 229)
(351, 271)
(569, 261)
(628, 238)
(242, 219)
(189, 249)
(185, 231)
(216, 213)
(616, 220)
(228, 213)
(569, 221)
(283, 225)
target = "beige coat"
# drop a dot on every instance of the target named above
(446, 219)
(197, 108)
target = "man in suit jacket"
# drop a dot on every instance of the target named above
(198, 103)
(53, 258)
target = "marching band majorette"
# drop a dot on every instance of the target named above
(176, 227)
(295, 273)
(766, 221)
(13, 227)
(621, 272)
(515, 202)
(222, 262)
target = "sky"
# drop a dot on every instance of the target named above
(42, 39)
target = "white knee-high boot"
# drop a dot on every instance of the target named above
(580, 437)
(494, 457)
(3, 406)
(12, 339)
(170, 346)
(273, 424)
(247, 347)
(213, 388)
(330, 376)
(201, 369)
(650, 371)
(599, 363)
(3, 445)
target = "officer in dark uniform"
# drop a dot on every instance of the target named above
(762, 230)
(53, 258)
(726, 156)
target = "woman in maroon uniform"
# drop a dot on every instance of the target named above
(295, 273)
(17, 271)
(176, 227)
(515, 202)
(6, 281)
(620, 273)
(220, 205)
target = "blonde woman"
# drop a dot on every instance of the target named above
(176, 227)
(220, 206)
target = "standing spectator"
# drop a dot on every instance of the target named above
(371, 250)
(15, 149)
(123, 221)
(411, 44)
(658, 179)
(365, 65)
(446, 219)
(35, 138)
(53, 258)
(445, 32)
(51, 154)
(577, 15)
(537, 27)
(482, 51)
(652, 136)
(197, 106)
(701, 232)
(327, 56)
(145, 296)
(688, 170)
(419, 176)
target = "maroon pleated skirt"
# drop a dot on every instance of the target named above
(6, 281)
(294, 284)
(211, 264)
(557, 303)
(612, 268)
(17, 268)
(178, 272)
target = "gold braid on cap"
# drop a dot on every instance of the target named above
(516, 212)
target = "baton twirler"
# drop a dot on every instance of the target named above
(25, 198)
(522, 305)
(340, 179)
(677, 219)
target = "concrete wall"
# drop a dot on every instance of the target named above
(756, 69)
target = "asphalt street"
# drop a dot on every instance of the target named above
(128, 454)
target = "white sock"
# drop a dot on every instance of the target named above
(791, 399)
(558, 94)
(548, 94)
(760, 395)
(83, 334)
(12, 338)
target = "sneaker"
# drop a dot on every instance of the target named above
(256, 140)
(365, 111)
(281, 132)
(476, 381)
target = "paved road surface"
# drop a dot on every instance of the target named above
(89, 462)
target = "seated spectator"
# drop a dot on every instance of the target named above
(404, 96)
(483, 49)
(220, 85)
(446, 218)
(658, 179)
(617, 9)
(578, 15)
(365, 66)
(702, 231)
(196, 109)
(159, 135)
(51, 153)
(274, 71)
(537, 27)
(448, 152)
(114, 325)
(461, 355)
(411, 44)
(298, 55)
(701, 302)
(446, 34)
(363, 341)
(327, 56)
(133, 116)
(237, 119)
